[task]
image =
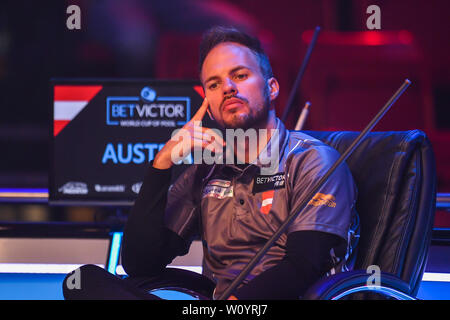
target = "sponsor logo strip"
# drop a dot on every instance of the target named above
(321, 199)
(268, 182)
(219, 189)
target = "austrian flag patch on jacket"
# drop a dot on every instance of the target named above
(267, 198)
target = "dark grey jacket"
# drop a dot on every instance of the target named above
(235, 209)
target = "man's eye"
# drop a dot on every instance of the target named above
(212, 86)
(241, 76)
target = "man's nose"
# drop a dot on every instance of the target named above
(229, 87)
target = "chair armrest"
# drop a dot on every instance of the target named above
(345, 283)
(188, 282)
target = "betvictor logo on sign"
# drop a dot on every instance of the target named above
(148, 110)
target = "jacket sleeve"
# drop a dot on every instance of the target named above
(331, 209)
(148, 244)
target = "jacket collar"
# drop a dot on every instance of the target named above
(279, 139)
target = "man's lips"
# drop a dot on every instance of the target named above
(231, 103)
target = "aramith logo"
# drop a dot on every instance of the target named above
(148, 110)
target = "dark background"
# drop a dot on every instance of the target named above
(352, 72)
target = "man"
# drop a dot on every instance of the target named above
(236, 204)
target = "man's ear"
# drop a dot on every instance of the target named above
(274, 88)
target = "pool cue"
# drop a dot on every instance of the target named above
(252, 263)
(302, 118)
(300, 75)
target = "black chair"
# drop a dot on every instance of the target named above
(396, 178)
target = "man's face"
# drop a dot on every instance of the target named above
(235, 88)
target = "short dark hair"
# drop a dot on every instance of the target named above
(219, 34)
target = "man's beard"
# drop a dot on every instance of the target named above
(247, 121)
(250, 120)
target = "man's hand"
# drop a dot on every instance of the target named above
(191, 136)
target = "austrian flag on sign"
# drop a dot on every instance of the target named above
(69, 101)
